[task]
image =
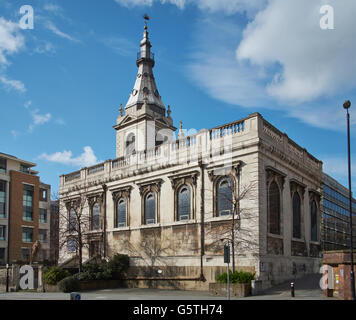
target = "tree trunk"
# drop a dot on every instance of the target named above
(80, 257)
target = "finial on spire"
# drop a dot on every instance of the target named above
(169, 111)
(180, 133)
(121, 110)
(147, 18)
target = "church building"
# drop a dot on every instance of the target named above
(173, 201)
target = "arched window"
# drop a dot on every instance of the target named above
(72, 245)
(72, 220)
(314, 221)
(130, 144)
(224, 192)
(183, 203)
(121, 213)
(95, 224)
(296, 216)
(150, 208)
(274, 208)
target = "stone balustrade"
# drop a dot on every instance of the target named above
(206, 144)
(179, 151)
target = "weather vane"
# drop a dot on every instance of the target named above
(146, 17)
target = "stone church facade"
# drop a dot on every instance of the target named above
(171, 204)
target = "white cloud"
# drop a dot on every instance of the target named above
(338, 167)
(13, 84)
(50, 26)
(272, 64)
(231, 6)
(38, 119)
(312, 62)
(216, 70)
(45, 47)
(226, 6)
(86, 159)
(60, 121)
(28, 104)
(11, 41)
(54, 8)
(120, 45)
(15, 133)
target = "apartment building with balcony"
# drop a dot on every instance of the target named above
(24, 211)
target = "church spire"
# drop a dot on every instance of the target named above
(145, 85)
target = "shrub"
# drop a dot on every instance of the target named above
(55, 274)
(69, 284)
(117, 266)
(236, 277)
(114, 269)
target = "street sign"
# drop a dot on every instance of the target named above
(75, 296)
(227, 253)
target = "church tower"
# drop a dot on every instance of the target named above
(143, 124)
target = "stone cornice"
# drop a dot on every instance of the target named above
(311, 174)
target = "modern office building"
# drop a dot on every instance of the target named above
(24, 211)
(336, 216)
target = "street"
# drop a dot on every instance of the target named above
(306, 288)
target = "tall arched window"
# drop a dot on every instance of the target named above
(224, 193)
(314, 221)
(150, 208)
(296, 216)
(121, 213)
(183, 203)
(95, 224)
(130, 144)
(274, 208)
(72, 220)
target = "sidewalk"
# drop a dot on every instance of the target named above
(306, 288)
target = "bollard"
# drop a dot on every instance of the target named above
(292, 289)
(75, 296)
(7, 277)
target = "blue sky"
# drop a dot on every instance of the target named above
(61, 83)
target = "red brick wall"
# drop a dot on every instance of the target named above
(16, 221)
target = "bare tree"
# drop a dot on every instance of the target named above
(151, 248)
(74, 222)
(231, 231)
